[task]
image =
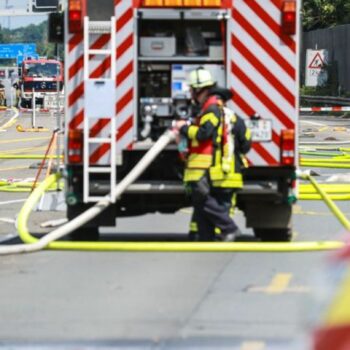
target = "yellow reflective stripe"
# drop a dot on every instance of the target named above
(233, 118)
(228, 183)
(202, 161)
(230, 180)
(194, 143)
(233, 200)
(193, 174)
(244, 161)
(339, 311)
(217, 230)
(211, 117)
(248, 134)
(192, 132)
(193, 226)
(216, 173)
(220, 130)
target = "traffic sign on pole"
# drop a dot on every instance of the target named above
(315, 69)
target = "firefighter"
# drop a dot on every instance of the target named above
(16, 86)
(211, 174)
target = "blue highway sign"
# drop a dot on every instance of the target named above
(12, 51)
(33, 56)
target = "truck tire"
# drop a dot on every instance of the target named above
(273, 234)
(85, 234)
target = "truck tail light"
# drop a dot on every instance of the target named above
(75, 146)
(75, 16)
(289, 17)
(287, 147)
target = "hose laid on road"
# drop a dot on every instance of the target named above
(315, 197)
(89, 214)
(49, 240)
(154, 246)
(324, 154)
(321, 164)
(25, 186)
(326, 160)
(329, 188)
(337, 192)
(315, 143)
(28, 156)
(331, 205)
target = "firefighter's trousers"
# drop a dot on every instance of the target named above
(211, 210)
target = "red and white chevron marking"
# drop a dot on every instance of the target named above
(125, 73)
(326, 109)
(75, 81)
(262, 66)
(124, 85)
(98, 68)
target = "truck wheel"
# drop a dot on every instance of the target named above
(85, 234)
(273, 234)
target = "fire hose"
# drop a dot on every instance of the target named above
(92, 212)
(49, 241)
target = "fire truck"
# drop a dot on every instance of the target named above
(126, 65)
(43, 77)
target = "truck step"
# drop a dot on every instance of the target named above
(99, 27)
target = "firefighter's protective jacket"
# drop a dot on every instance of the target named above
(209, 142)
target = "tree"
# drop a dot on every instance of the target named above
(1, 36)
(319, 14)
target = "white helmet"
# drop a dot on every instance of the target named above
(200, 78)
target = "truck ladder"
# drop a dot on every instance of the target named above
(99, 104)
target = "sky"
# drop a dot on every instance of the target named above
(18, 21)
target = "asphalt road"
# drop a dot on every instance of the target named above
(249, 301)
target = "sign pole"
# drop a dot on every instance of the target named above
(58, 117)
(34, 108)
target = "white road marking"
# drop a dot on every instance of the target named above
(312, 123)
(13, 201)
(8, 220)
(12, 119)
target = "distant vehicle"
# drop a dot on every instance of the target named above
(41, 76)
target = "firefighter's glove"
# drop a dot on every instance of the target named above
(226, 165)
(177, 125)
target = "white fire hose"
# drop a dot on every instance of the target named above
(92, 212)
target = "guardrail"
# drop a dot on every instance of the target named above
(326, 100)
(325, 109)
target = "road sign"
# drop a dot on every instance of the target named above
(12, 51)
(20, 58)
(316, 62)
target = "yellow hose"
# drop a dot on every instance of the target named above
(331, 205)
(160, 246)
(20, 186)
(329, 188)
(28, 206)
(326, 160)
(27, 156)
(335, 197)
(324, 165)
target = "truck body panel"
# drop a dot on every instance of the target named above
(155, 45)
